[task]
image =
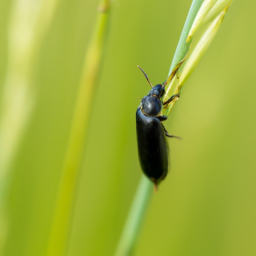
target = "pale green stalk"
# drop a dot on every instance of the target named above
(197, 54)
(28, 23)
(183, 45)
(29, 20)
(60, 228)
(141, 199)
(200, 49)
(139, 206)
(217, 8)
(203, 11)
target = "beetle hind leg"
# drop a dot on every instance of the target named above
(169, 135)
(172, 136)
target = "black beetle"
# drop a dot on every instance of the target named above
(151, 134)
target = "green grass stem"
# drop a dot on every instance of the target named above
(141, 199)
(209, 9)
(68, 184)
(19, 92)
(134, 220)
(183, 46)
(29, 21)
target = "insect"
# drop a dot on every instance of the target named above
(151, 134)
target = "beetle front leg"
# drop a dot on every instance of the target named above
(162, 118)
(171, 99)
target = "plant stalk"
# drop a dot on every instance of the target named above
(141, 199)
(27, 26)
(134, 220)
(183, 45)
(66, 195)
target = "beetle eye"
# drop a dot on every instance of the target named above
(154, 95)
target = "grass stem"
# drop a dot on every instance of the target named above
(141, 199)
(65, 198)
(134, 220)
(183, 45)
(29, 22)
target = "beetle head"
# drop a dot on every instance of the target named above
(157, 91)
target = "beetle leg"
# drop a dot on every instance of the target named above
(169, 135)
(162, 118)
(171, 99)
(174, 72)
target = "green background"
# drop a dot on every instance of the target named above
(206, 205)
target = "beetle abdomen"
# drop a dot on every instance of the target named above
(152, 147)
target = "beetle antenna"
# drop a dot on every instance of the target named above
(145, 75)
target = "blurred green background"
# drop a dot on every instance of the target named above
(206, 205)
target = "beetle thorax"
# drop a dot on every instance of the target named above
(151, 106)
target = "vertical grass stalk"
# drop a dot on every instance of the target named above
(208, 10)
(28, 23)
(134, 220)
(65, 198)
(200, 49)
(29, 20)
(141, 199)
(183, 46)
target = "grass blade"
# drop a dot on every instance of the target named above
(29, 21)
(65, 198)
(141, 199)
(134, 220)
